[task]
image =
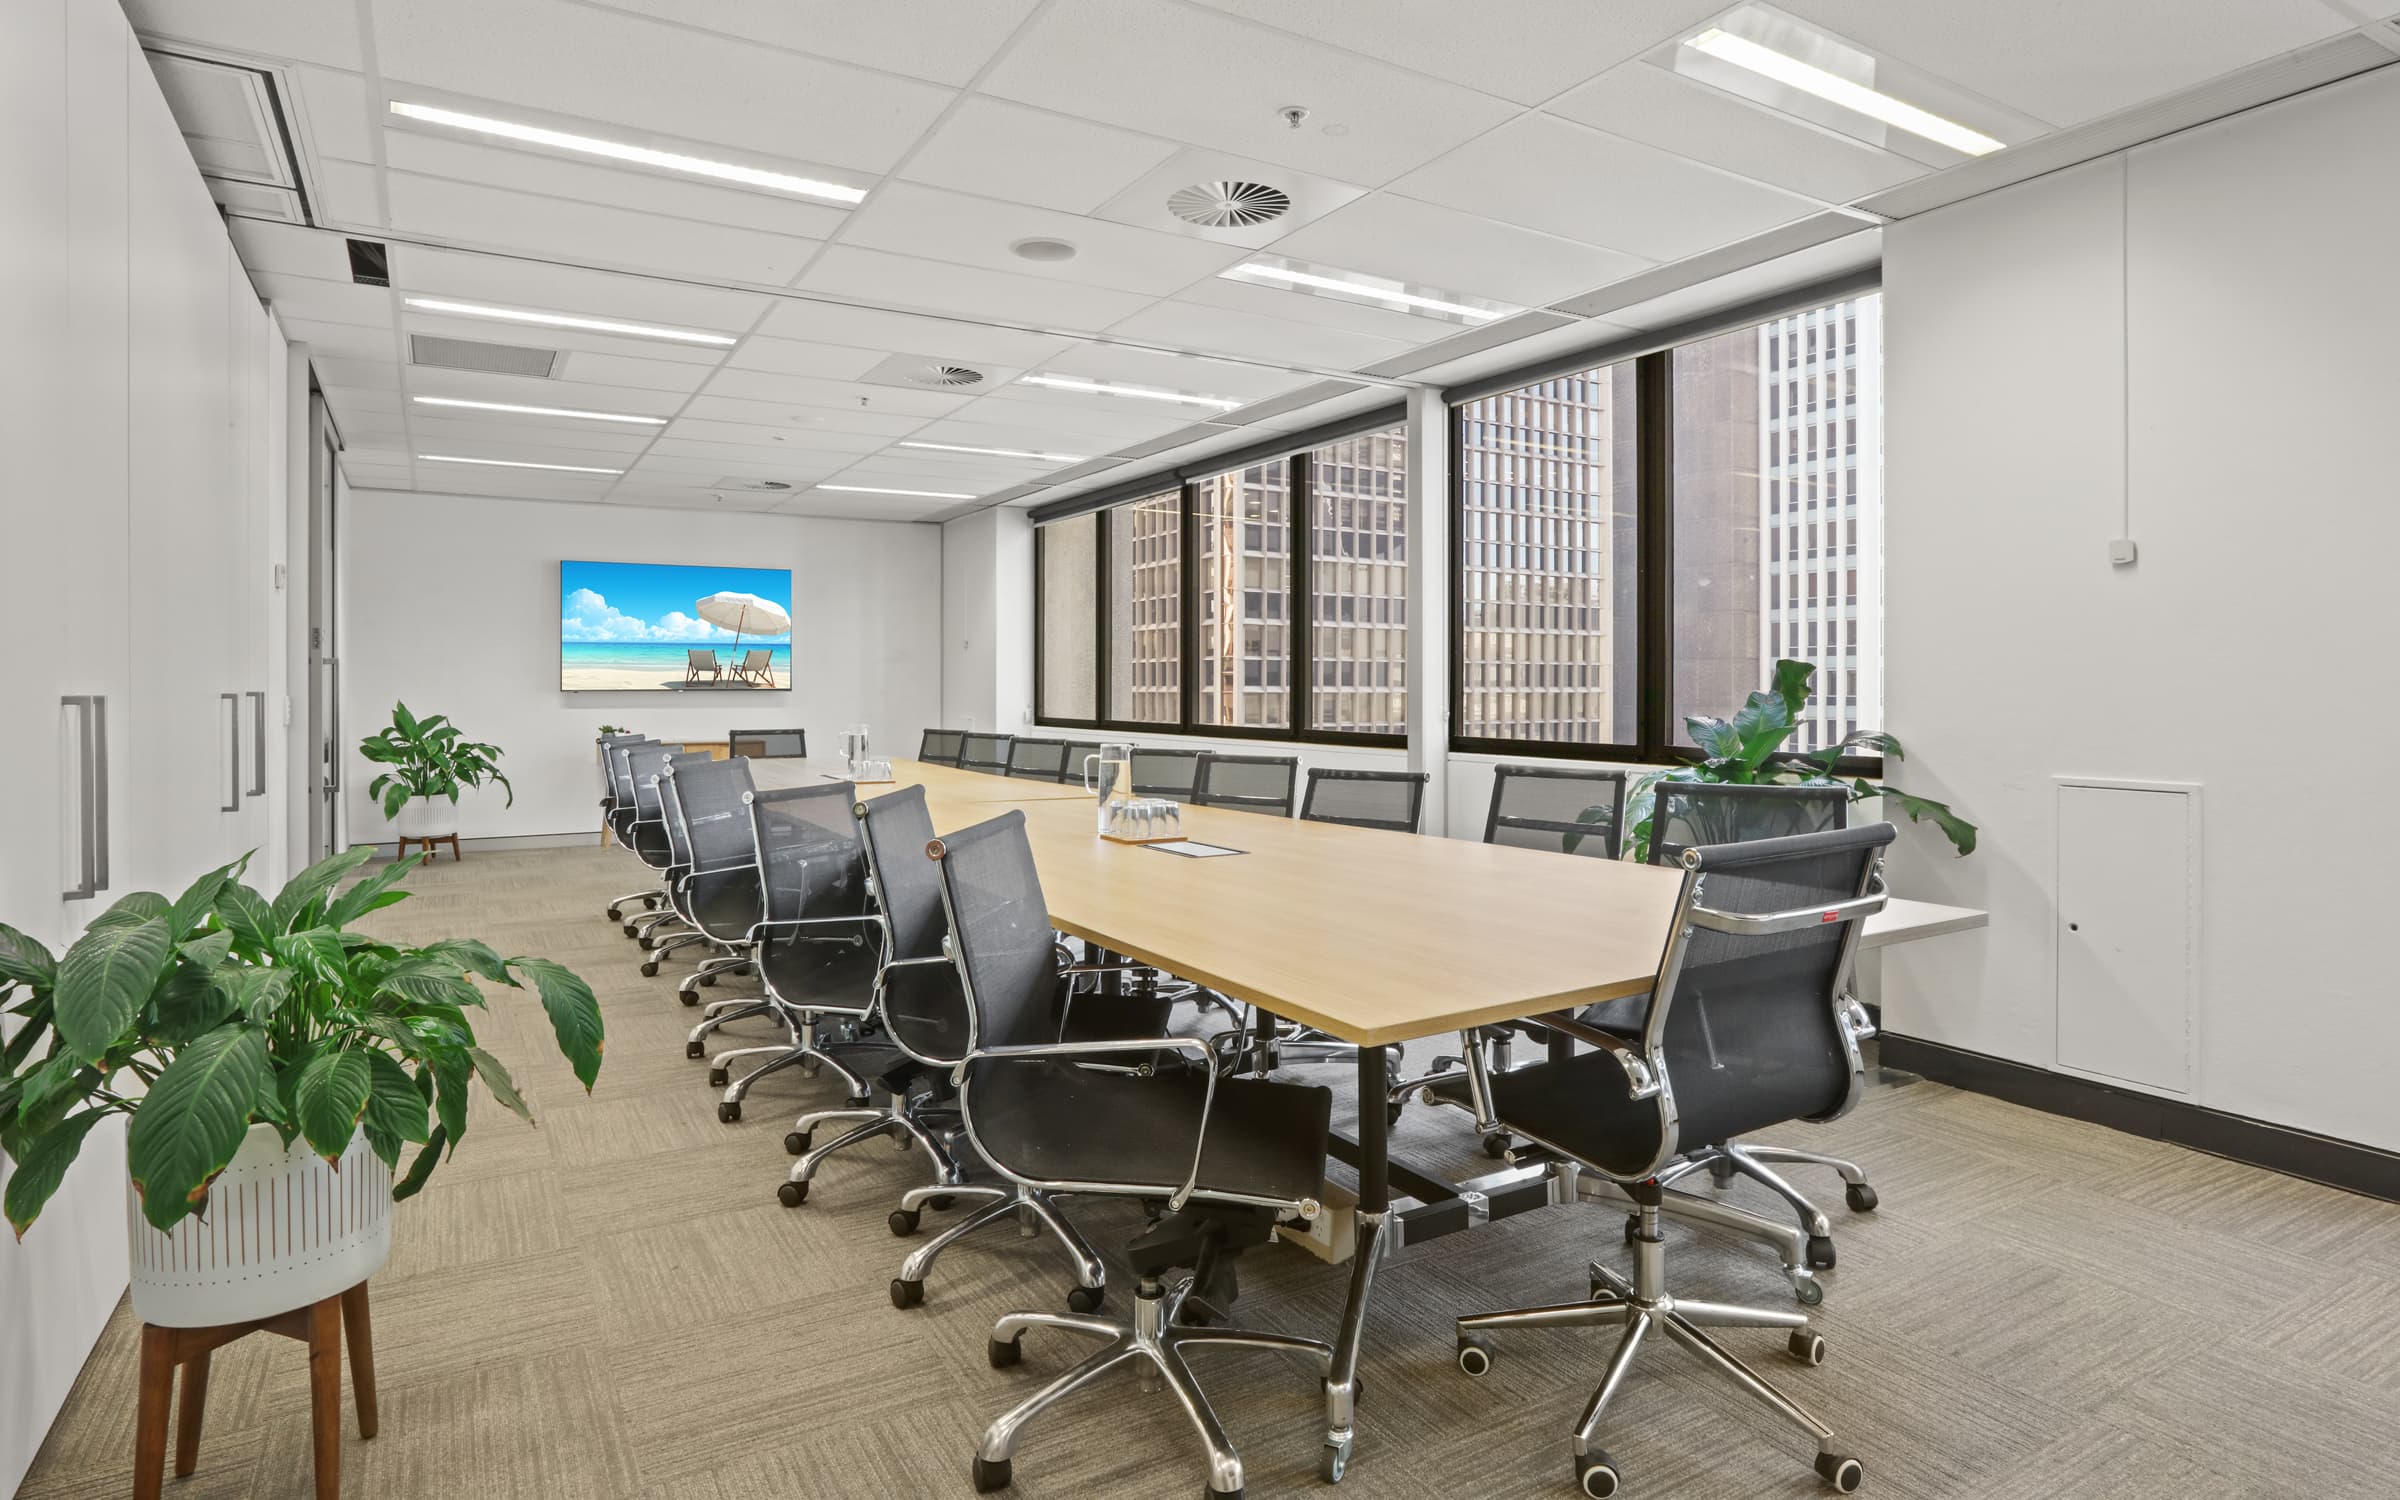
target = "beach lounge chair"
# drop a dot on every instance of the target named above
(756, 666)
(700, 661)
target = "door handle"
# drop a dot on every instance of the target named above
(91, 818)
(258, 743)
(233, 739)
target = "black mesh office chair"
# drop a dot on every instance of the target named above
(1571, 811)
(1686, 815)
(1038, 760)
(1389, 800)
(1227, 1157)
(939, 747)
(717, 890)
(646, 833)
(759, 744)
(1747, 1028)
(1165, 773)
(984, 752)
(616, 813)
(1246, 783)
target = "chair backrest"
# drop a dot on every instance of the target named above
(711, 794)
(1165, 773)
(700, 656)
(1365, 799)
(1041, 760)
(923, 1006)
(1248, 783)
(984, 752)
(1000, 932)
(646, 762)
(1745, 1024)
(1565, 810)
(939, 747)
(752, 661)
(810, 861)
(620, 768)
(1688, 814)
(764, 744)
(609, 744)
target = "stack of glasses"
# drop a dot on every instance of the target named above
(1142, 818)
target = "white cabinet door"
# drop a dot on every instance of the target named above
(2128, 930)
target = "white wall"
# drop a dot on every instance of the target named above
(987, 621)
(450, 604)
(2198, 335)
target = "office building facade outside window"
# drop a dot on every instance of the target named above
(1145, 610)
(1358, 584)
(1243, 522)
(1068, 623)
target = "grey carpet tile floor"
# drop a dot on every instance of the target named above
(613, 1305)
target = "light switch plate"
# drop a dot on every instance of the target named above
(2122, 551)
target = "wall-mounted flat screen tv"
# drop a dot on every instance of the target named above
(667, 628)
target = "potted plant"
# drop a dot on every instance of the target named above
(274, 1066)
(1747, 748)
(430, 759)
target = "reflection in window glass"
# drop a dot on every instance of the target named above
(1245, 597)
(1358, 585)
(1779, 516)
(1547, 559)
(1068, 654)
(1145, 611)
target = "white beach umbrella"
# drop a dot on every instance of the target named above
(744, 614)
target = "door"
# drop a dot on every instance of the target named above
(2128, 931)
(324, 663)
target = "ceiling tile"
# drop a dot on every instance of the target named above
(797, 357)
(510, 282)
(648, 192)
(441, 434)
(906, 281)
(358, 399)
(1008, 419)
(1645, 103)
(577, 231)
(372, 374)
(289, 250)
(609, 68)
(906, 217)
(1224, 83)
(643, 374)
(936, 39)
(297, 29)
(347, 194)
(905, 333)
(2068, 63)
(334, 109)
(1632, 198)
(1526, 51)
(1455, 250)
(796, 439)
(475, 385)
(785, 413)
(1174, 372)
(1004, 150)
(565, 340)
(339, 340)
(1247, 336)
(806, 390)
(1332, 312)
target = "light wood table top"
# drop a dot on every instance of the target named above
(944, 785)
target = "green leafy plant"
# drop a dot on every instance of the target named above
(429, 758)
(608, 729)
(201, 1016)
(1748, 749)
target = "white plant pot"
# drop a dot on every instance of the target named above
(427, 818)
(282, 1230)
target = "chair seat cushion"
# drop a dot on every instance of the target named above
(1053, 1121)
(1579, 1106)
(816, 975)
(725, 905)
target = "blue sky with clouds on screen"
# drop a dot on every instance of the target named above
(655, 601)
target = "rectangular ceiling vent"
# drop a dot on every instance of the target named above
(234, 124)
(473, 354)
(370, 262)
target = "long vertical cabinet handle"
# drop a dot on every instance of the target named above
(233, 737)
(96, 778)
(86, 884)
(258, 743)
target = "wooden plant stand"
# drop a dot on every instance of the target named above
(320, 1325)
(430, 842)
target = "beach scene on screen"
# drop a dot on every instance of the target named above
(668, 627)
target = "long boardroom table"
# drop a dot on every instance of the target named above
(1373, 937)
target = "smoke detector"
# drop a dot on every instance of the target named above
(946, 375)
(1041, 248)
(1228, 205)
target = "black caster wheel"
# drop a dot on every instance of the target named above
(1860, 1197)
(729, 1113)
(708, 979)
(650, 969)
(1596, 1474)
(904, 1222)
(629, 929)
(649, 903)
(687, 997)
(1475, 1354)
(718, 1078)
(797, 1142)
(990, 1474)
(909, 1294)
(647, 942)
(1807, 1291)
(1806, 1347)
(1333, 1461)
(1841, 1472)
(615, 915)
(1496, 1145)
(1721, 1172)
(1820, 1251)
(695, 1049)
(940, 1202)
(1086, 1299)
(792, 1194)
(1005, 1352)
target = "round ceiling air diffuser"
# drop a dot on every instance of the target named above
(946, 375)
(1229, 205)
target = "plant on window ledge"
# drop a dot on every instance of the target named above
(429, 758)
(1746, 749)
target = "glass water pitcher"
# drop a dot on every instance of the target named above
(1109, 775)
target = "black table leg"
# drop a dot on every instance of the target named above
(1374, 1208)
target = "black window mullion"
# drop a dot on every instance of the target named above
(1187, 521)
(1654, 459)
(1300, 523)
(1101, 525)
(1041, 705)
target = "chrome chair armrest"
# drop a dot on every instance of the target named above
(1638, 1075)
(1854, 1016)
(1762, 924)
(1190, 1044)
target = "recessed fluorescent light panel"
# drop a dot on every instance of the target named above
(508, 463)
(624, 151)
(540, 411)
(1372, 291)
(568, 320)
(869, 489)
(1132, 392)
(1047, 458)
(1788, 65)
